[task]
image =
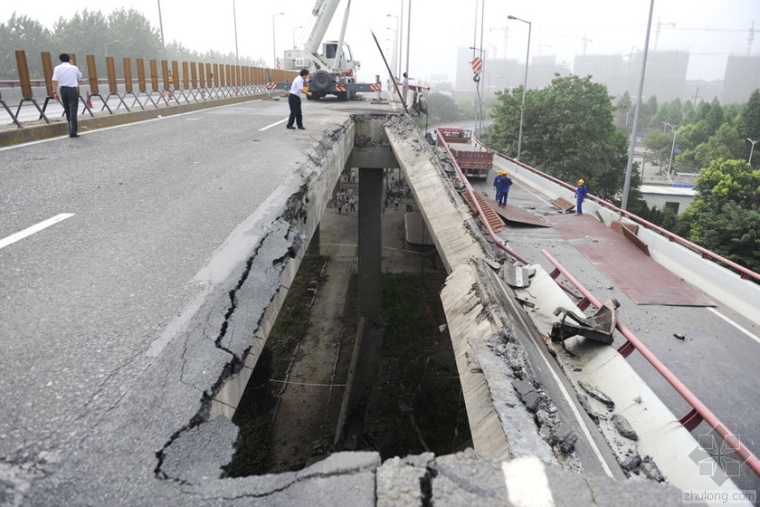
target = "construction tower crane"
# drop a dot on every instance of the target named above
(750, 37)
(585, 40)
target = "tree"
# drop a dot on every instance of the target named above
(660, 144)
(725, 215)
(725, 144)
(136, 36)
(568, 132)
(441, 109)
(84, 34)
(749, 121)
(22, 32)
(715, 117)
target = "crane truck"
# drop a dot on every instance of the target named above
(333, 71)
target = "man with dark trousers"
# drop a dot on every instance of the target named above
(294, 100)
(67, 76)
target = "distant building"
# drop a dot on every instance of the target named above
(741, 79)
(501, 74)
(665, 77)
(675, 198)
(610, 70)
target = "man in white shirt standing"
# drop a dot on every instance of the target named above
(294, 100)
(67, 76)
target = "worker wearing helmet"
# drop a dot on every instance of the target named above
(504, 185)
(496, 182)
(580, 194)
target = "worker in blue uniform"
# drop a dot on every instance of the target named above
(496, 185)
(580, 194)
(504, 185)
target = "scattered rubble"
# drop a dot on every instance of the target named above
(624, 427)
(597, 394)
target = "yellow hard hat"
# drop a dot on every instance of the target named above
(581, 182)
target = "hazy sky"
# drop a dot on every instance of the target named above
(710, 29)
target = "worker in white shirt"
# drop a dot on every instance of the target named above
(67, 76)
(294, 100)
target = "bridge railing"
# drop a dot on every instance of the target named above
(699, 411)
(166, 82)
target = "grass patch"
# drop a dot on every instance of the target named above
(254, 455)
(418, 382)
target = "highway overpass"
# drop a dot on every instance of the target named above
(134, 312)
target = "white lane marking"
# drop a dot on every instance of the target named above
(577, 415)
(527, 484)
(272, 125)
(737, 326)
(33, 229)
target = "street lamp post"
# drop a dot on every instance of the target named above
(274, 44)
(397, 44)
(161, 25)
(752, 150)
(234, 21)
(109, 43)
(294, 35)
(672, 148)
(408, 34)
(525, 86)
(632, 149)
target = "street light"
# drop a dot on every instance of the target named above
(109, 43)
(632, 149)
(672, 148)
(234, 21)
(525, 86)
(397, 43)
(274, 44)
(161, 25)
(408, 34)
(294, 35)
(752, 150)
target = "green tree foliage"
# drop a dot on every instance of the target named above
(659, 143)
(136, 36)
(715, 117)
(725, 215)
(85, 33)
(442, 109)
(22, 32)
(725, 144)
(749, 123)
(568, 132)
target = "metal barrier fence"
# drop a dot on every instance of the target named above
(175, 82)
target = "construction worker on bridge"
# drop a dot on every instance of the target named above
(580, 194)
(501, 183)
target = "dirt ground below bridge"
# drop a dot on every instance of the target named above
(309, 404)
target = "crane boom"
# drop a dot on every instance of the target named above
(325, 11)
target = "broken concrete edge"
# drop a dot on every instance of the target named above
(58, 127)
(661, 450)
(170, 401)
(442, 208)
(509, 412)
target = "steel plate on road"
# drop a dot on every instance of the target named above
(644, 280)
